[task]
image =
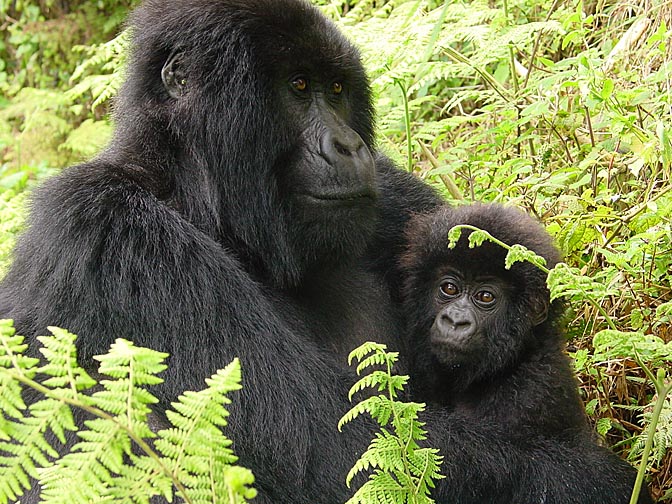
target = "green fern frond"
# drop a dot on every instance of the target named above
(518, 253)
(197, 448)
(369, 381)
(406, 423)
(402, 471)
(662, 437)
(381, 488)
(379, 407)
(102, 467)
(12, 361)
(379, 380)
(93, 461)
(99, 457)
(382, 358)
(61, 354)
(384, 452)
(109, 58)
(365, 349)
(425, 464)
(25, 449)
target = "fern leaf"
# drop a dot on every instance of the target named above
(381, 488)
(379, 407)
(365, 349)
(373, 360)
(28, 449)
(61, 354)
(380, 380)
(196, 448)
(384, 452)
(402, 471)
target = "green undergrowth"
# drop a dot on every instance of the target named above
(563, 108)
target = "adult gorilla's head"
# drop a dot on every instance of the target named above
(253, 119)
(471, 316)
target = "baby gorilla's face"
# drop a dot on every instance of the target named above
(469, 309)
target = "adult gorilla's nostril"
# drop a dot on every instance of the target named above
(342, 149)
(337, 146)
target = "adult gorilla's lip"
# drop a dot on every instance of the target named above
(339, 197)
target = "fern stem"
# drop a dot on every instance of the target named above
(586, 296)
(404, 448)
(106, 416)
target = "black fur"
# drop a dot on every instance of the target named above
(517, 380)
(190, 233)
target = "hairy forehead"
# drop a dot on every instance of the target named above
(280, 32)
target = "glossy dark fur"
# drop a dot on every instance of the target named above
(234, 217)
(518, 379)
(190, 233)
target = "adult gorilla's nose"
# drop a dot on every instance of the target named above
(344, 149)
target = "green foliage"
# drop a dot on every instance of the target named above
(561, 108)
(515, 252)
(403, 472)
(192, 459)
(41, 118)
(110, 61)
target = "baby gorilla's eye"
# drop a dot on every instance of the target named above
(448, 289)
(300, 84)
(485, 297)
(337, 87)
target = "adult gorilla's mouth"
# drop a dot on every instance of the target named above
(346, 197)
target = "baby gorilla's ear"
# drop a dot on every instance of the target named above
(538, 310)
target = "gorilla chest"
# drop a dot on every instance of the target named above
(341, 309)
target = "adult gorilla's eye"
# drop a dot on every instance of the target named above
(448, 289)
(485, 297)
(337, 87)
(300, 84)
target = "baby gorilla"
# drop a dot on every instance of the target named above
(487, 346)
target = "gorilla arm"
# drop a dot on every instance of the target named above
(484, 464)
(108, 260)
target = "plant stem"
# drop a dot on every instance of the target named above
(512, 58)
(662, 391)
(407, 123)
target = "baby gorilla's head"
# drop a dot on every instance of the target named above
(469, 314)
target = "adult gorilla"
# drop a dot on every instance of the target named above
(240, 210)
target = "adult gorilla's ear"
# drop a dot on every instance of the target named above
(538, 310)
(173, 76)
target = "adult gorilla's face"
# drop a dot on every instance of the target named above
(263, 110)
(333, 168)
(327, 173)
